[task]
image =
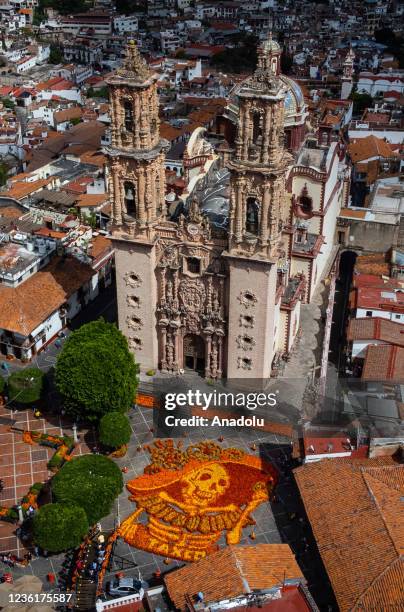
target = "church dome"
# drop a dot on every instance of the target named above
(270, 46)
(295, 108)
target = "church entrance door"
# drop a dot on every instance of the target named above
(194, 353)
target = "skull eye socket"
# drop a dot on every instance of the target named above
(222, 482)
(206, 476)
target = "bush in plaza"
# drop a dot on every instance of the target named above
(58, 527)
(95, 372)
(114, 429)
(90, 481)
(25, 387)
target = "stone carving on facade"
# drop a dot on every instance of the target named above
(134, 322)
(247, 298)
(133, 301)
(135, 343)
(170, 257)
(214, 363)
(247, 321)
(244, 363)
(132, 279)
(134, 67)
(192, 295)
(245, 342)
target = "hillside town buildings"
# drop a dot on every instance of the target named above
(222, 180)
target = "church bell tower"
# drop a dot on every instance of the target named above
(137, 193)
(258, 213)
(136, 153)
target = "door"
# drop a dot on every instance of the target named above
(194, 353)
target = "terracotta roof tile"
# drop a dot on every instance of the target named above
(99, 246)
(376, 328)
(75, 112)
(356, 513)
(91, 200)
(384, 362)
(370, 146)
(233, 571)
(25, 307)
(21, 189)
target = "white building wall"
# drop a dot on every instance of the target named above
(382, 314)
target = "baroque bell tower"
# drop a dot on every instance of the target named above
(137, 193)
(258, 214)
(136, 153)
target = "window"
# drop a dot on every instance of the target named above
(397, 316)
(369, 313)
(193, 265)
(257, 129)
(252, 216)
(128, 115)
(130, 200)
(306, 204)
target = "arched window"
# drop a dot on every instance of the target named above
(252, 216)
(257, 128)
(130, 199)
(128, 115)
(305, 202)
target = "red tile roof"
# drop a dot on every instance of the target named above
(384, 362)
(370, 146)
(356, 513)
(233, 571)
(376, 328)
(25, 307)
(375, 298)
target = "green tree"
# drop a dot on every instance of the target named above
(55, 55)
(95, 371)
(58, 527)
(2, 384)
(242, 57)
(3, 173)
(394, 43)
(114, 429)
(8, 103)
(101, 92)
(361, 101)
(90, 481)
(25, 387)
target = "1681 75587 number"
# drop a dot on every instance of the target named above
(39, 597)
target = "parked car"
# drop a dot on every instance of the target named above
(127, 586)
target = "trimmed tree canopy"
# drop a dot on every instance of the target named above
(25, 387)
(58, 527)
(95, 371)
(114, 429)
(90, 481)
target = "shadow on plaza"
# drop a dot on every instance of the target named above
(293, 525)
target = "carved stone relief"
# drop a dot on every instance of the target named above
(133, 279)
(244, 363)
(248, 298)
(245, 342)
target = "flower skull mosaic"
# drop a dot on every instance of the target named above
(188, 498)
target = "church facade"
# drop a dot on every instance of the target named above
(220, 298)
